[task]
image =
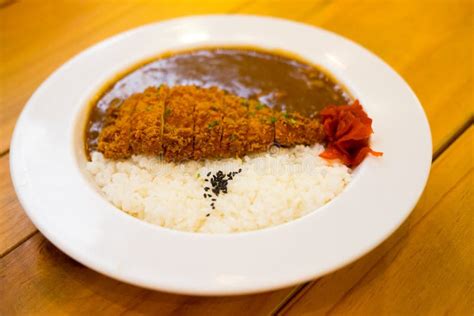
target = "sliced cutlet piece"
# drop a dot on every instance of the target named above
(179, 124)
(260, 134)
(314, 131)
(294, 129)
(208, 114)
(235, 126)
(114, 139)
(147, 126)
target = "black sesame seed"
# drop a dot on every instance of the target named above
(207, 215)
(204, 195)
(219, 182)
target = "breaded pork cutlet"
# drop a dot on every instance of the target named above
(290, 129)
(187, 122)
(294, 129)
(208, 115)
(147, 126)
(261, 130)
(235, 127)
(313, 130)
(178, 131)
(114, 139)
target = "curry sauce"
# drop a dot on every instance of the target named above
(280, 81)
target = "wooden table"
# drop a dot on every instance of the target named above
(425, 268)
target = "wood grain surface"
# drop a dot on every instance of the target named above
(426, 267)
(14, 224)
(429, 257)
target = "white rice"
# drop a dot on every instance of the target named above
(272, 188)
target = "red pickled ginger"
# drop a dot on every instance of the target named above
(348, 129)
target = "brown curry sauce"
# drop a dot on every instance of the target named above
(279, 80)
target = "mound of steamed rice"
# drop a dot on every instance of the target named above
(271, 189)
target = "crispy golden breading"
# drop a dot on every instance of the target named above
(147, 127)
(208, 114)
(187, 122)
(235, 127)
(292, 129)
(114, 139)
(314, 131)
(178, 131)
(261, 131)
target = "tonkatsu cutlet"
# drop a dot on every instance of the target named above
(261, 129)
(147, 126)
(294, 129)
(114, 139)
(178, 131)
(187, 122)
(234, 127)
(208, 115)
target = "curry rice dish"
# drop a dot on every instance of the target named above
(197, 155)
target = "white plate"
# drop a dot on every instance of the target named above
(47, 166)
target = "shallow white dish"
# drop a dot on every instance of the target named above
(47, 165)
